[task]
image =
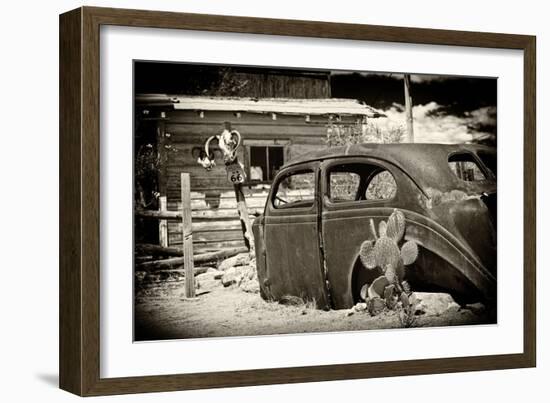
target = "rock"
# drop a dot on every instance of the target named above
(248, 281)
(230, 276)
(291, 300)
(435, 304)
(210, 275)
(207, 284)
(375, 305)
(350, 312)
(217, 273)
(360, 307)
(238, 260)
(251, 286)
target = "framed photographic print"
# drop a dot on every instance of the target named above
(320, 196)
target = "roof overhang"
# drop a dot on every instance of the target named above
(285, 106)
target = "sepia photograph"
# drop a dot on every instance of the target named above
(275, 200)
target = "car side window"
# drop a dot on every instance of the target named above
(343, 186)
(465, 167)
(360, 182)
(382, 186)
(296, 190)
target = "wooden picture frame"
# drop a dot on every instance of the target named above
(80, 185)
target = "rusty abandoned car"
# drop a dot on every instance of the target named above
(322, 207)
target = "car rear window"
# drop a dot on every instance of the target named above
(465, 167)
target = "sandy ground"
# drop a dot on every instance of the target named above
(161, 313)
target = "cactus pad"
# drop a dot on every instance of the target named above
(396, 226)
(364, 292)
(367, 254)
(409, 252)
(386, 252)
(376, 289)
(389, 296)
(390, 274)
(406, 287)
(382, 227)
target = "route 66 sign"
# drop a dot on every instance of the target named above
(235, 173)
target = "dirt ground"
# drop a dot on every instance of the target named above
(161, 313)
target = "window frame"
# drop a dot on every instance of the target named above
(312, 168)
(266, 146)
(325, 178)
(488, 152)
(484, 170)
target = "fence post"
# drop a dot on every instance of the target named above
(163, 224)
(242, 208)
(187, 234)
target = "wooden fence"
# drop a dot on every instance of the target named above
(199, 230)
(215, 218)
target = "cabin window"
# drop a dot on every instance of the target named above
(465, 167)
(265, 162)
(360, 182)
(295, 190)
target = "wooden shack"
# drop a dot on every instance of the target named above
(274, 131)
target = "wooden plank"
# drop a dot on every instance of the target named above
(209, 225)
(200, 258)
(187, 235)
(169, 215)
(181, 131)
(199, 241)
(174, 117)
(213, 247)
(150, 249)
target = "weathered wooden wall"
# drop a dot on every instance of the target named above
(264, 83)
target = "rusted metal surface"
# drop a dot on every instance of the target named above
(312, 252)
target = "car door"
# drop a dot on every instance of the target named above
(354, 191)
(293, 257)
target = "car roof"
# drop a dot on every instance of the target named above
(426, 164)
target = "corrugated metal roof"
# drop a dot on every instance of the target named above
(290, 106)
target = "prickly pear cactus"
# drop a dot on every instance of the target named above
(384, 252)
(396, 226)
(366, 254)
(409, 252)
(382, 229)
(391, 274)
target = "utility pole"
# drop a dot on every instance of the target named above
(408, 108)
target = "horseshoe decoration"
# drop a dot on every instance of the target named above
(228, 141)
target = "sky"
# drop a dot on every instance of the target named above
(446, 109)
